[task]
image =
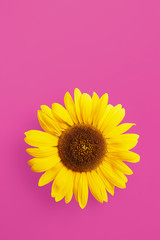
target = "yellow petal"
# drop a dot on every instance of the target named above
(50, 119)
(50, 174)
(120, 129)
(120, 166)
(114, 121)
(121, 175)
(112, 111)
(101, 108)
(125, 141)
(61, 113)
(111, 175)
(59, 184)
(43, 124)
(69, 187)
(97, 187)
(126, 156)
(76, 184)
(43, 164)
(42, 151)
(77, 96)
(95, 102)
(109, 186)
(83, 190)
(47, 110)
(37, 139)
(69, 104)
(105, 116)
(50, 122)
(86, 108)
(63, 126)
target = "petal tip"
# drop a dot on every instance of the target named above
(40, 184)
(76, 90)
(112, 193)
(82, 206)
(29, 163)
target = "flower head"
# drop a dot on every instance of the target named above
(82, 147)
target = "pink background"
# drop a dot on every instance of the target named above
(48, 48)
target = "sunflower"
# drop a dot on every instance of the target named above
(82, 148)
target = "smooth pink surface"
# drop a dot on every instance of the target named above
(48, 48)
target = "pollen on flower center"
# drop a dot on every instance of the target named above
(81, 148)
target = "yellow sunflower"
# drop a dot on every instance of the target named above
(82, 147)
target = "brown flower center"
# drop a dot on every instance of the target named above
(81, 148)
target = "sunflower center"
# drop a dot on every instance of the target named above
(81, 148)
